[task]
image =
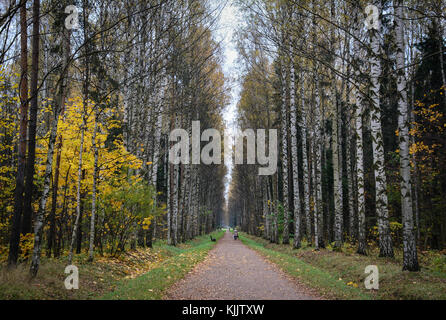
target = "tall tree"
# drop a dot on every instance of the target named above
(284, 129)
(410, 258)
(382, 210)
(32, 129)
(21, 155)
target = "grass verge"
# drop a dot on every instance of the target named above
(106, 277)
(152, 285)
(340, 275)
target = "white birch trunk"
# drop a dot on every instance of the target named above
(317, 145)
(174, 196)
(349, 161)
(78, 190)
(38, 226)
(360, 175)
(338, 214)
(306, 182)
(294, 157)
(196, 210)
(189, 213)
(315, 189)
(382, 211)
(94, 191)
(284, 128)
(410, 258)
(359, 142)
(169, 196)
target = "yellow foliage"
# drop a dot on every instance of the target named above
(352, 284)
(8, 140)
(147, 222)
(111, 160)
(26, 245)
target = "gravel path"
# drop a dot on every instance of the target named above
(233, 271)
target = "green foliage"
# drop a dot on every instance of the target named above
(127, 207)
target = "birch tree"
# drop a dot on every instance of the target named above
(294, 155)
(410, 258)
(338, 214)
(284, 128)
(305, 167)
(382, 210)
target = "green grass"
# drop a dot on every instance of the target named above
(134, 272)
(340, 275)
(327, 284)
(152, 285)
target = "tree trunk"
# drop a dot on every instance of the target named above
(317, 145)
(28, 212)
(338, 214)
(78, 191)
(306, 182)
(410, 258)
(21, 157)
(315, 196)
(81, 147)
(284, 127)
(38, 226)
(440, 49)
(60, 99)
(360, 175)
(94, 191)
(294, 157)
(58, 110)
(385, 241)
(349, 172)
(169, 197)
(359, 139)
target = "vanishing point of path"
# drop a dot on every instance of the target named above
(233, 271)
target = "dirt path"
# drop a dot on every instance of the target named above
(232, 271)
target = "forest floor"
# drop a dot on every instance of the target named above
(340, 275)
(251, 268)
(232, 271)
(139, 274)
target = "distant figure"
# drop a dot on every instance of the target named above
(212, 239)
(235, 234)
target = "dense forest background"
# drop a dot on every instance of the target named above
(89, 93)
(360, 108)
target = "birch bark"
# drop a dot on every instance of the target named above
(382, 211)
(284, 128)
(306, 182)
(94, 189)
(410, 258)
(294, 157)
(359, 142)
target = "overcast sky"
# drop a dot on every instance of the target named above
(229, 19)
